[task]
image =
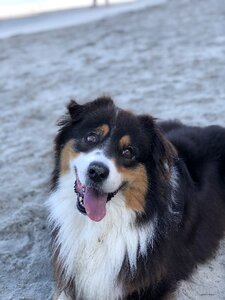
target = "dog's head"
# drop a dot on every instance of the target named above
(110, 151)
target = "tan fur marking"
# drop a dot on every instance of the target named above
(124, 141)
(137, 187)
(67, 153)
(103, 129)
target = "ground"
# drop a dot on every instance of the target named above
(167, 60)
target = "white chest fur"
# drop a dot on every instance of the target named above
(93, 253)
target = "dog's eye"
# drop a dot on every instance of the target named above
(92, 138)
(128, 153)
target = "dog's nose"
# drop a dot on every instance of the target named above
(97, 171)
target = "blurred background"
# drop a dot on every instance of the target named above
(26, 16)
(14, 8)
(163, 57)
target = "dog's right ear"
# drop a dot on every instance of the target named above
(161, 149)
(75, 110)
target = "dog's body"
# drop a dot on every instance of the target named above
(148, 207)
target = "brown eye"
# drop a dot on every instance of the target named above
(128, 153)
(92, 138)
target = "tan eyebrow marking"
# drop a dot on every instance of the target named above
(103, 129)
(125, 141)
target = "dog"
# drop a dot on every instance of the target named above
(135, 204)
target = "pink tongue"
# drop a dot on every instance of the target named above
(95, 204)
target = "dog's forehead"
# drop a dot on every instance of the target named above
(127, 125)
(114, 119)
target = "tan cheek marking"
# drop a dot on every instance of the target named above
(124, 141)
(104, 129)
(67, 154)
(137, 187)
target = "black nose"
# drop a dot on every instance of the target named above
(98, 172)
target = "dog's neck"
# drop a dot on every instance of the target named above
(93, 252)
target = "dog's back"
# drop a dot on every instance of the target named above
(201, 149)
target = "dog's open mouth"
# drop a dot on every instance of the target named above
(92, 202)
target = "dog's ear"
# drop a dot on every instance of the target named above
(161, 149)
(103, 101)
(75, 110)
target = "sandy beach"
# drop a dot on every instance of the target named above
(167, 60)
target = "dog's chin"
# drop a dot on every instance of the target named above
(91, 199)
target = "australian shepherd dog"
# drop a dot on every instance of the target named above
(135, 204)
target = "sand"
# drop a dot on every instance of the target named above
(167, 60)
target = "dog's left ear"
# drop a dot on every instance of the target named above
(161, 149)
(76, 111)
